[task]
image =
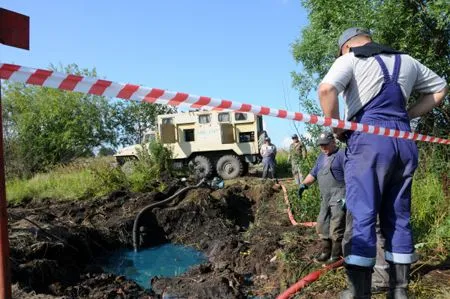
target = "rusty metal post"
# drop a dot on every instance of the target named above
(5, 274)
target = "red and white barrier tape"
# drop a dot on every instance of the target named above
(101, 87)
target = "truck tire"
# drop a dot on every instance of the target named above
(229, 167)
(201, 166)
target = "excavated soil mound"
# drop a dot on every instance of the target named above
(55, 246)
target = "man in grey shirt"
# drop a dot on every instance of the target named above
(376, 82)
(268, 153)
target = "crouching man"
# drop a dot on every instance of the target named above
(329, 173)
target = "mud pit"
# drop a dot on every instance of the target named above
(241, 229)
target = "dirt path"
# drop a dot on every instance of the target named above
(253, 251)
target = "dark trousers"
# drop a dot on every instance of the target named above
(268, 167)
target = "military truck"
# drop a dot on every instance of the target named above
(207, 142)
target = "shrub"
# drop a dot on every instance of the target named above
(306, 208)
(151, 164)
(283, 166)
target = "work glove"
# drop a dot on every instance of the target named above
(302, 188)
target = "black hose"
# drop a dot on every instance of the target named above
(136, 220)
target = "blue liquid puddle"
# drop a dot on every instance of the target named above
(167, 260)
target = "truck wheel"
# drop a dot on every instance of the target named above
(229, 167)
(200, 166)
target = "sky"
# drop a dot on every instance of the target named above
(237, 50)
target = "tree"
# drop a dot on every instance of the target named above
(420, 28)
(134, 119)
(48, 126)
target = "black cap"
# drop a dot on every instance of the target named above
(325, 138)
(294, 136)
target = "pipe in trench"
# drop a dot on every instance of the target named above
(136, 238)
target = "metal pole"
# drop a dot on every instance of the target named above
(5, 275)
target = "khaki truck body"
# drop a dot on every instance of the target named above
(224, 142)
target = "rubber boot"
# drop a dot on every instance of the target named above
(398, 281)
(326, 250)
(336, 251)
(359, 281)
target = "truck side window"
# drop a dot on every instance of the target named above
(224, 117)
(246, 136)
(167, 120)
(204, 118)
(189, 135)
(240, 116)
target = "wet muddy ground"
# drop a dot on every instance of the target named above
(242, 229)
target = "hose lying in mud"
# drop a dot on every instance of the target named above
(291, 216)
(311, 277)
(136, 240)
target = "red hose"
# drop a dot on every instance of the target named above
(291, 216)
(311, 277)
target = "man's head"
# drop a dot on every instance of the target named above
(267, 140)
(353, 37)
(294, 138)
(327, 143)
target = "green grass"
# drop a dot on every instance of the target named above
(306, 208)
(90, 178)
(430, 214)
(283, 168)
(71, 182)
(65, 186)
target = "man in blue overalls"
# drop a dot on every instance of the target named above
(376, 82)
(329, 173)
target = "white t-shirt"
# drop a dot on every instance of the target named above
(361, 79)
(268, 150)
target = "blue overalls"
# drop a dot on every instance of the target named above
(378, 174)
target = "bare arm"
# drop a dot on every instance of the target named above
(426, 103)
(328, 97)
(309, 180)
(329, 102)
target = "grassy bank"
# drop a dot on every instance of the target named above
(90, 178)
(76, 181)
